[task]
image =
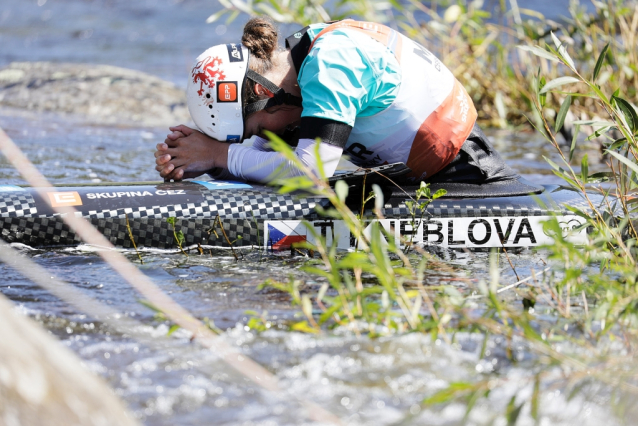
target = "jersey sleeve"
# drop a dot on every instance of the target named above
(337, 80)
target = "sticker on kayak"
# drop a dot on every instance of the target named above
(61, 199)
(283, 234)
(222, 184)
(449, 232)
(10, 188)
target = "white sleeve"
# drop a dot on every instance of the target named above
(251, 164)
(261, 144)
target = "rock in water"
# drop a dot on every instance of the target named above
(102, 94)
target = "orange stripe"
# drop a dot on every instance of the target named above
(381, 33)
(440, 137)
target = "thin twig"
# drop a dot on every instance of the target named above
(218, 219)
(510, 262)
(130, 234)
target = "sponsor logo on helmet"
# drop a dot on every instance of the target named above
(234, 52)
(226, 91)
(232, 139)
(298, 35)
(207, 72)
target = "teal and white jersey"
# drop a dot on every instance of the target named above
(347, 75)
(403, 104)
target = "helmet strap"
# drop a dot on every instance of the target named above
(280, 96)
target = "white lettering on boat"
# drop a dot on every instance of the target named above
(170, 192)
(98, 195)
(477, 232)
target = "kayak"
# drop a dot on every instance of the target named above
(253, 215)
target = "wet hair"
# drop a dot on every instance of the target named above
(260, 37)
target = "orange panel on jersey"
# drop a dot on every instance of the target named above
(385, 35)
(440, 137)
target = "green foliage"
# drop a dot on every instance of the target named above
(585, 68)
(418, 206)
(348, 296)
(490, 53)
(258, 322)
(177, 235)
(379, 289)
(304, 12)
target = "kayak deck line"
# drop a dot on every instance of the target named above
(256, 215)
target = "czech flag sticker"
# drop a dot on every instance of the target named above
(283, 234)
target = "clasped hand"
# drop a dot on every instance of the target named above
(187, 153)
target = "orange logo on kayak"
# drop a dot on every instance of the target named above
(226, 91)
(60, 199)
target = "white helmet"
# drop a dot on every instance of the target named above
(215, 92)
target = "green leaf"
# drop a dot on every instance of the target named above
(600, 177)
(513, 411)
(629, 112)
(215, 16)
(423, 191)
(447, 394)
(618, 143)
(574, 138)
(562, 51)
(303, 327)
(633, 166)
(378, 197)
(341, 189)
(584, 169)
(173, 329)
(559, 82)
(170, 220)
(599, 93)
(232, 16)
(535, 397)
(564, 108)
(599, 62)
(539, 51)
(541, 96)
(150, 306)
(594, 123)
(598, 132)
(180, 237)
(440, 193)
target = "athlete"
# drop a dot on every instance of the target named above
(361, 89)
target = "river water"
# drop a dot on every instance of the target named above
(363, 381)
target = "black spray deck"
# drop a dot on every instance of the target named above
(255, 215)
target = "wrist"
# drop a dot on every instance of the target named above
(219, 153)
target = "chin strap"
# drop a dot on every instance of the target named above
(280, 97)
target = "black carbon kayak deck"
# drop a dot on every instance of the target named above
(256, 215)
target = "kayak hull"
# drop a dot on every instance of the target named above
(254, 215)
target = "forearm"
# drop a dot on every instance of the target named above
(251, 164)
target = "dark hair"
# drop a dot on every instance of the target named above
(260, 37)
